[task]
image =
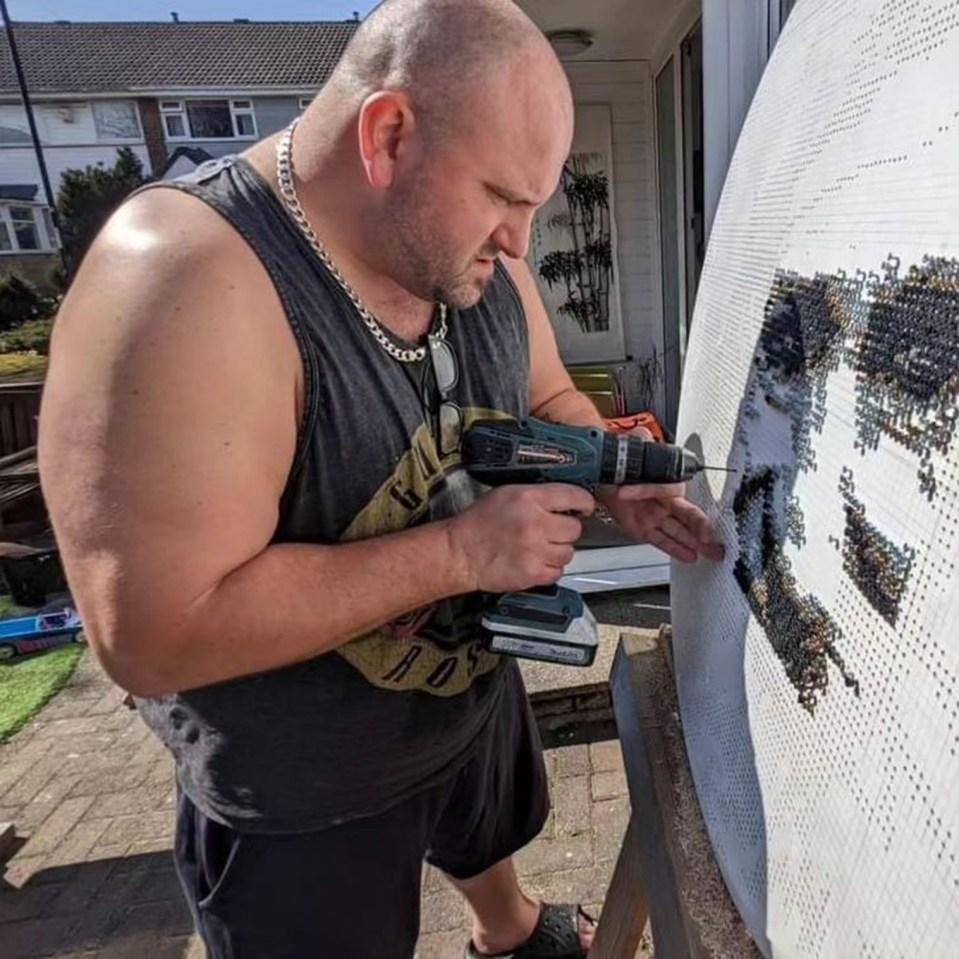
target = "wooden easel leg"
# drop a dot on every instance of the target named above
(625, 913)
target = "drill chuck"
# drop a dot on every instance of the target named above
(628, 459)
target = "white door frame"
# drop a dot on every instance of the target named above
(671, 59)
(738, 39)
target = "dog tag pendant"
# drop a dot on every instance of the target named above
(444, 364)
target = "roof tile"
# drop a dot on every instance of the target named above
(124, 57)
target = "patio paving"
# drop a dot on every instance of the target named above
(91, 794)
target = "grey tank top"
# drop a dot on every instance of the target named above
(352, 732)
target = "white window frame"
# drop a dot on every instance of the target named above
(46, 216)
(46, 244)
(242, 111)
(174, 108)
(238, 107)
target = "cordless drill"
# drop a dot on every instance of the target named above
(553, 624)
(497, 452)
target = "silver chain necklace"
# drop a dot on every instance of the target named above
(284, 176)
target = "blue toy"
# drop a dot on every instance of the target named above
(33, 634)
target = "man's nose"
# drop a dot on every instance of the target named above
(512, 235)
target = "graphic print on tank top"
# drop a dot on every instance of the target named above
(351, 482)
(436, 649)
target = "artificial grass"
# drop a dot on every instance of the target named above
(28, 683)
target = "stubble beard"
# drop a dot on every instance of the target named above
(428, 272)
(463, 291)
(424, 264)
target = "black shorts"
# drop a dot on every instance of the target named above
(352, 891)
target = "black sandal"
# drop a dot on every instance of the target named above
(556, 936)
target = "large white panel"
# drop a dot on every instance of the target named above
(817, 668)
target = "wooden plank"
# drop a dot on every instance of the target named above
(26, 421)
(19, 410)
(665, 640)
(655, 684)
(12, 494)
(21, 424)
(656, 867)
(8, 430)
(27, 471)
(25, 386)
(625, 911)
(695, 917)
(17, 471)
(14, 458)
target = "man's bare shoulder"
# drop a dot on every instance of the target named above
(167, 262)
(171, 333)
(166, 231)
(170, 298)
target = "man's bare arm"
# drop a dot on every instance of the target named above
(656, 514)
(167, 433)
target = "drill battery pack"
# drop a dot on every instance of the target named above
(551, 624)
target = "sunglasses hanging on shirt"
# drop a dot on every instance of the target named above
(445, 373)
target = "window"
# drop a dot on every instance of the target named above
(52, 238)
(116, 120)
(208, 119)
(305, 102)
(13, 125)
(21, 230)
(25, 227)
(243, 120)
(174, 121)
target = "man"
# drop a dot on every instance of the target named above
(250, 453)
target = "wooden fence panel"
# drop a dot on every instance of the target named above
(19, 410)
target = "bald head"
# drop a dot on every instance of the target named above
(443, 53)
(443, 129)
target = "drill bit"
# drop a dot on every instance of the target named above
(691, 465)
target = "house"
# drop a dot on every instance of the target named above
(173, 92)
(661, 87)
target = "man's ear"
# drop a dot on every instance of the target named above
(386, 122)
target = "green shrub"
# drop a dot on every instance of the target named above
(19, 302)
(87, 197)
(30, 337)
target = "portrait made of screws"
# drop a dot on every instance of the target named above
(817, 668)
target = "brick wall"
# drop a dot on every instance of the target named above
(153, 134)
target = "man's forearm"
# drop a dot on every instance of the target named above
(570, 406)
(328, 595)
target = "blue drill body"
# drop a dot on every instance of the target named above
(498, 452)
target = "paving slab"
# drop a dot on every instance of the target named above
(89, 869)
